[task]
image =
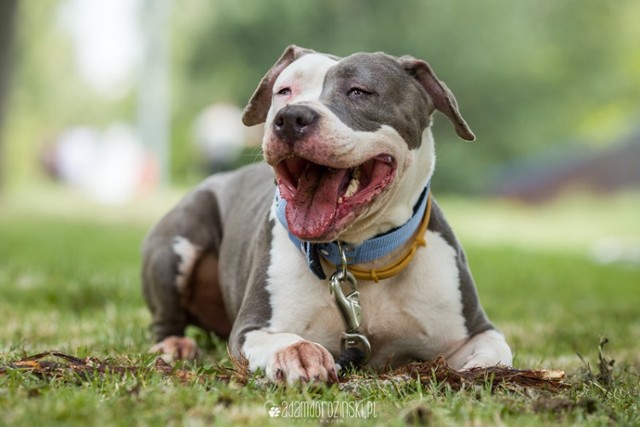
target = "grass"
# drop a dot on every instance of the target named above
(69, 281)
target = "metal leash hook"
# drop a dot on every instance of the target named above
(349, 307)
(349, 304)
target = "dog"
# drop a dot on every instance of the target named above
(251, 255)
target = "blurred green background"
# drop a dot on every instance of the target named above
(550, 88)
(539, 82)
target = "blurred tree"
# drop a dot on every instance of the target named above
(7, 24)
(527, 74)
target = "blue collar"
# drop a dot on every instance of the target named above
(369, 250)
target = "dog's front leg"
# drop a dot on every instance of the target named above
(284, 356)
(287, 357)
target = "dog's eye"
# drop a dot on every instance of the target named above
(284, 91)
(356, 92)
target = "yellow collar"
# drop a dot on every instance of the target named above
(401, 263)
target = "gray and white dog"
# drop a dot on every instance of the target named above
(349, 143)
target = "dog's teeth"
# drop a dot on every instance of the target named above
(354, 184)
(352, 188)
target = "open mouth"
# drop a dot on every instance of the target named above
(321, 199)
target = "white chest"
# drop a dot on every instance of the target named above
(416, 314)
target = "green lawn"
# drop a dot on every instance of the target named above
(69, 281)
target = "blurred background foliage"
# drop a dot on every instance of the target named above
(529, 75)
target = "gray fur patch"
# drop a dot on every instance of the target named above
(475, 318)
(390, 96)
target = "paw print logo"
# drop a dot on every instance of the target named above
(273, 410)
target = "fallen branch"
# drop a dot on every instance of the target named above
(438, 371)
(63, 366)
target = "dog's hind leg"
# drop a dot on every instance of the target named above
(180, 275)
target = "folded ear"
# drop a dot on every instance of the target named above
(256, 110)
(442, 98)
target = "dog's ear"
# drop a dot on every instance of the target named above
(442, 98)
(256, 110)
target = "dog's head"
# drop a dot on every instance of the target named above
(346, 138)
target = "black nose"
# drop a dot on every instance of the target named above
(294, 122)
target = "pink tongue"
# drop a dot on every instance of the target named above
(310, 213)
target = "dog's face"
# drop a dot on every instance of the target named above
(343, 135)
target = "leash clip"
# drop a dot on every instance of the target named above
(349, 304)
(349, 307)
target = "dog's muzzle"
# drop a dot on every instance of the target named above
(294, 122)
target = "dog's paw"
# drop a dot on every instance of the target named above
(484, 350)
(175, 348)
(303, 361)
(484, 359)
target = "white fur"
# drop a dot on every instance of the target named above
(261, 345)
(415, 315)
(304, 77)
(485, 349)
(188, 254)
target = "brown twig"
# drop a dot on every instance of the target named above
(89, 367)
(440, 372)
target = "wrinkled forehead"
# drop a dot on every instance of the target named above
(309, 75)
(305, 75)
